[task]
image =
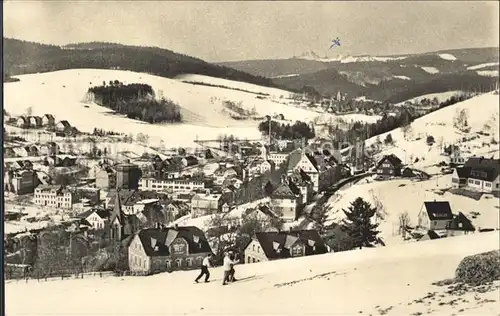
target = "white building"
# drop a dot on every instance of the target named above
(170, 185)
(53, 196)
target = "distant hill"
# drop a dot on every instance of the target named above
(388, 78)
(22, 57)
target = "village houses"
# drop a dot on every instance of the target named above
(267, 246)
(154, 250)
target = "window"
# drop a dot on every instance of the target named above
(487, 184)
(178, 262)
(253, 260)
(248, 259)
(168, 264)
(189, 262)
(471, 181)
(478, 182)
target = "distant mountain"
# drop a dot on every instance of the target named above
(22, 57)
(382, 77)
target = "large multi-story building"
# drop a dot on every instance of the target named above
(127, 176)
(155, 250)
(53, 196)
(20, 181)
(182, 185)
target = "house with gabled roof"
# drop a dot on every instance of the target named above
(160, 249)
(267, 246)
(286, 200)
(189, 161)
(63, 126)
(35, 121)
(323, 170)
(459, 177)
(48, 120)
(22, 122)
(390, 166)
(484, 174)
(206, 203)
(434, 215)
(97, 218)
(459, 225)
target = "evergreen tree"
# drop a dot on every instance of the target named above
(358, 223)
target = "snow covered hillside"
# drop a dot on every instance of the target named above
(483, 111)
(62, 93)
(392, 280)
(483, 115)
(483, 213)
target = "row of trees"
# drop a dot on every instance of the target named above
(286, 131)
(238, 108)
(136, 101)
(28, 57)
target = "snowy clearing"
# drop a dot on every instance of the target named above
(488, 73)
(391, 278)
(285, 76)
(402, 77)
(447, 56)
(476, 67)
(431, 70)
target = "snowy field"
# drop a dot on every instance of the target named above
(390, 280)
(62, 93)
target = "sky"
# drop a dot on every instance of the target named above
(229, 31)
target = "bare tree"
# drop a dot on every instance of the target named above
(406, 129)
(404, 223)
(221, 233)
(380, 212)
(460, 120)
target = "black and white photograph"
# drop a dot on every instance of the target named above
(251, 158)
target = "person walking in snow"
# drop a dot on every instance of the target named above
(228, 266)
(204, 268)
(233, 262)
